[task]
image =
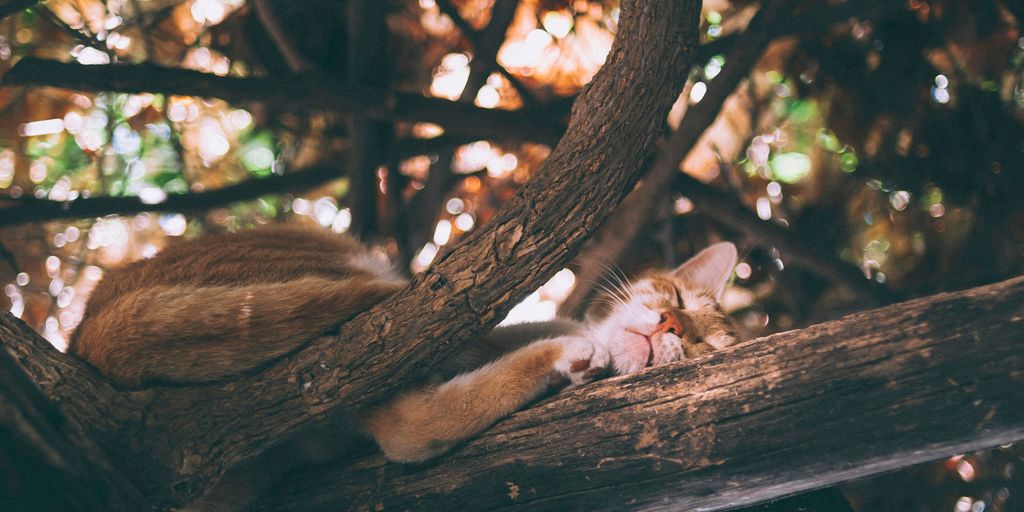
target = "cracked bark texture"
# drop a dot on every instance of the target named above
(872, 392)
(176, 441)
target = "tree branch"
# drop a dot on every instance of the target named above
(486, 44)
(728, 210)
(485, 48)
(811, 22)
(39, 210)
(368, 64)
(303, 92)
(182, 439)
(270, 20)
(871, 392)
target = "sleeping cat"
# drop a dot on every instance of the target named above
(212, 307)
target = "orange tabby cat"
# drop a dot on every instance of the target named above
(215, 306)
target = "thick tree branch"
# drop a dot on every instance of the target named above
(304, 92)
(476, 284)
(39, 210)
(871, 392)
(180, 440)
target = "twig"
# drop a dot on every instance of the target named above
(8, 257)
(37, 210)
(487, 42)
(486, 45)
(83, 37)
(810, 22)
(407, 148)
(728, 210)
(428, 201)
(270, 19)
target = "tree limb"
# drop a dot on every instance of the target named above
(176, 441)
(271, 22)
(811, 22)
(367, 66)
(728, 210)
(47, 460)
(486, 44)
(303, 92)
(872, 392)
(38, 210)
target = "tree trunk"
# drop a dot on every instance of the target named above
(872, 392)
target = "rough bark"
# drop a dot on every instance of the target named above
(871, 392)
(176, 441)
(296, 93)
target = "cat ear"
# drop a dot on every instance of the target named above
(710, 269)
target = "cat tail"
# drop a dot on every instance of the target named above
(186, 334)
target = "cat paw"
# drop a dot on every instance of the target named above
(671, 349)
(581, 361)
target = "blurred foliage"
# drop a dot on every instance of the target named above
(896, 143)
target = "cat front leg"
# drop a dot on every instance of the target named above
(430, 421)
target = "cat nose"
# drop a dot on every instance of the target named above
(669, 323)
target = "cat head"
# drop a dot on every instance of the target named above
(667, 316)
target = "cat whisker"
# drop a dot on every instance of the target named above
(612, 294)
